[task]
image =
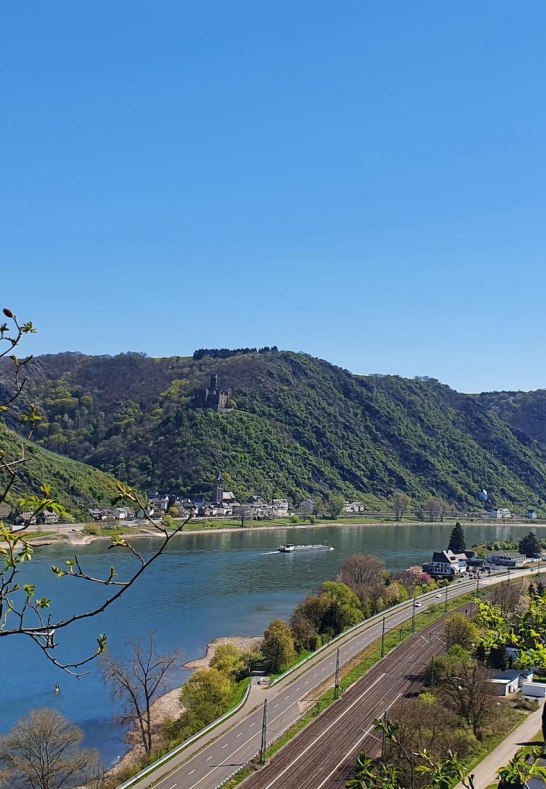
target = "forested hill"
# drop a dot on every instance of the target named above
(296, 426)
(75, 485)
(524, 411)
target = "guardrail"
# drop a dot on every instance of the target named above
(371, 620)
(360, 625)
(151, 767)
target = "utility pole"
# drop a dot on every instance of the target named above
(383, 639)
(478, 583)
(383, 736)
(336, 681)
(264, 735)
(413, 615)
(445, 603)
(432, 673)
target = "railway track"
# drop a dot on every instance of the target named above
(323, 754)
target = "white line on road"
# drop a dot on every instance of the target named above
(173, 786)
(239, 734)
(226, 745)
(231, 755)
(208, 758)
(325, 731)
(191, 772)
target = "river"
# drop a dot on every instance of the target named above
(205, 585)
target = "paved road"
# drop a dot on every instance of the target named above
(213, 763)
(485, 773)
(323, 755)
(216, 762)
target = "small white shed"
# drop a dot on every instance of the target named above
(536, 690)
(505, 686)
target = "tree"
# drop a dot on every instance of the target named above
(137, 683)
(530, 545)
(362, 569)
(244, 513)
(457, 542)
(461, 631)
(278, 646)
(335, 505)
(464, 684)
(229, 660)
(399, 503)
(22, 610)
(436, 508)
(506, 597)
(343, 609)
(206, 695)
(43, 752)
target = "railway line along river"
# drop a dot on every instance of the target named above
(206, 585)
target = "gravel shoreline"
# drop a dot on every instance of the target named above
(168, 707)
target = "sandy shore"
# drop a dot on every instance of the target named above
(245, 644)
(73, 534)
(167, 707)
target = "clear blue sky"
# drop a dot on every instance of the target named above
(363, 181)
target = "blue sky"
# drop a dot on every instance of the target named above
(363, 181)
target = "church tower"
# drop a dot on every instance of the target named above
(218, 489)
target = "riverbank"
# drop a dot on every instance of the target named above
(168, 707)
(74, 534)
(243, 643)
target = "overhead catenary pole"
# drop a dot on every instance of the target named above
(336, 680)
(263, 745)
(383, 639)
(383, 738)
(413, 615)
(445, 603)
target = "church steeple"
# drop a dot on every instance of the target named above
(218, 489)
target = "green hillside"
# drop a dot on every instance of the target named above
(76, 485)
(298, 426)
(525, 411)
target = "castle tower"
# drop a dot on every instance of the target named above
(218, 489)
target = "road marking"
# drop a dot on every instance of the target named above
(231, 755)
(191, 771)
(208, 758)
(364, 639)
(173, 786)
(325, 731)
(226, 745)
(357, 743)
(239, 734)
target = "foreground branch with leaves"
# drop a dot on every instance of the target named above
(23, 611)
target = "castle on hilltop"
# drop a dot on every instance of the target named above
(211, 396)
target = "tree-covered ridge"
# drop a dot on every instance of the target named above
(297, 426)
(524, 411)
(75, 485)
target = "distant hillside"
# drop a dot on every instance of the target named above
(525, 411)
(297, 426)
(76, 485)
